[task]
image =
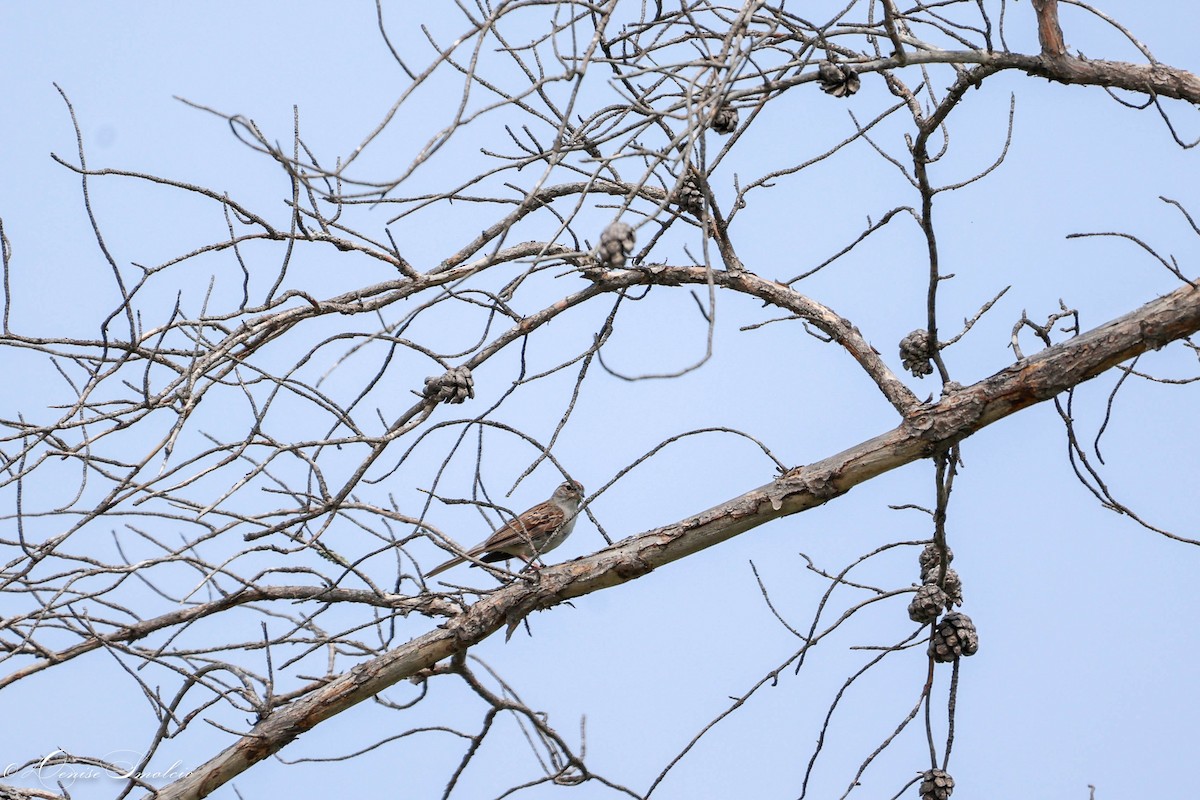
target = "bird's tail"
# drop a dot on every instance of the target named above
(440, 568)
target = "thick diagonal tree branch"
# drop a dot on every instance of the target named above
(925, 431)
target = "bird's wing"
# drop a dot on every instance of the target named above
(514, 537)
(517, 534)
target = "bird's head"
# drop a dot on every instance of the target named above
(569, 491)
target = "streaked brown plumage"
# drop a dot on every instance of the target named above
(533, 533)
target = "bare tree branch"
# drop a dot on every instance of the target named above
(1032, 380)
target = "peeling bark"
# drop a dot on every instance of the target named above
(924, 431)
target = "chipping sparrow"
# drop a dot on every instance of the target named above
(539, 530)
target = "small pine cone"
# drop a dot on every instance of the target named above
(914, 353)
(955, 636)
(725, 121)
(952, 585)
(453, 386)
(616, 242)
(838, 80)
(953, 588)
(931, 559)
(927, 604)
(936, 785)
(690, 197)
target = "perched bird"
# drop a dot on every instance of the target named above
(539, 530)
